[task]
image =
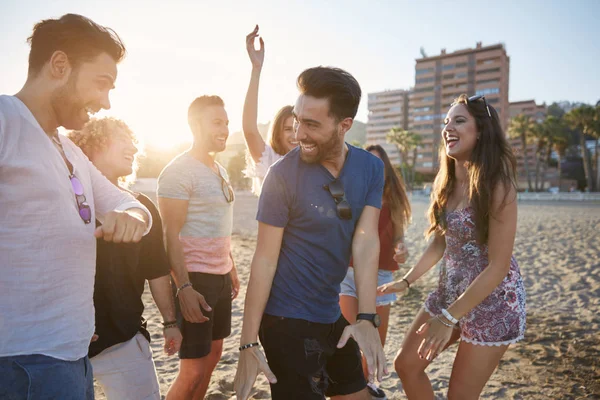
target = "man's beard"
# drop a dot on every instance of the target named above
(67, 105)
(327, 150)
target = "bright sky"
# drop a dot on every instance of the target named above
(179, 50)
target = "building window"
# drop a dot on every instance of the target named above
(447, 67)
(425, 80)
(428, 98)
(426, 89)
(427, 164)
(421, 109)
(493, 101)
(424, 71)
(396, 109)
(448, 76)
(488, 71)
(484, 92)
(461, 75)
(486, 81)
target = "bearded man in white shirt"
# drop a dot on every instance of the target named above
(50, 194)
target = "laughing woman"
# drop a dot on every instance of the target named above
(480, 299)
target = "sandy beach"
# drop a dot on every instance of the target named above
(558, 249)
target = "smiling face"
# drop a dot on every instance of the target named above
(460, 133)
(287, 135)
(318, 133)
(116, 158)
(84, 92)
(211, 128)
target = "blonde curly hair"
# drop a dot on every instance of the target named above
(95, 136)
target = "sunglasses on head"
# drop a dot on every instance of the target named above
(85, 212)
(336, 190)
(473, 99)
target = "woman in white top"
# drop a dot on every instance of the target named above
(281, 138)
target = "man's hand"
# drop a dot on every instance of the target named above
(368, 340)
(190, 302)
(235, 283)
(173, 340)
(257, 57)
(122, 226)
(400, 253)
(251, 363)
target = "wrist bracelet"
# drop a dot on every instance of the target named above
(449, 316)
(444, 322)
(168, 325)
(180, 288)
(407, 283)
(247, 346)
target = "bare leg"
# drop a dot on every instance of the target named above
(194, 375)
(410, 367)
(473, 366)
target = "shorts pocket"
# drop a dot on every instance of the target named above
(143, 345)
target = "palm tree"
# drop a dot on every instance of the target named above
(406, 142)
(558, 140)
(584, 119)
(521, 128)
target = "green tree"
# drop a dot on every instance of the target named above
(521, 128)
(585, 119)
(558, 140)
(235, 169)
(407, 142)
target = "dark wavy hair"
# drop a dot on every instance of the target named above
(277, 129)
(334, 84)
(394, 191)
(80, 38)
(492, 163)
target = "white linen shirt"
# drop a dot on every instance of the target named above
(47, 252)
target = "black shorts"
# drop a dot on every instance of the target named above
(198, 337)
(305, 359)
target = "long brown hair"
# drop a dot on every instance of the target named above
(492, 163)
(394, 192)
(276, 130)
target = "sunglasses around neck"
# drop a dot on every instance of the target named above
(336, 190)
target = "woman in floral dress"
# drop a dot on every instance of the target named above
(480, 299)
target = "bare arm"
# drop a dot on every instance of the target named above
(163, 297)
(365, 249)
(174, 213)
(432, 255)
(254, 141)
(252, 361)
(262, 272)
(502, 231)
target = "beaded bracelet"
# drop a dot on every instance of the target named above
(169, 324)
(180, 288)
(247, 346)
(449, 316)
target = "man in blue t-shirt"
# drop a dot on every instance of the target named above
(319, 204)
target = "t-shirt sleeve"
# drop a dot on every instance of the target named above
(153, 257)
(274, 202)
(375, 193)
(175, 182)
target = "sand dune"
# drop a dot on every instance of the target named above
(558, 248)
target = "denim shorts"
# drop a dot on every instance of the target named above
(39, 377)
(348, 286)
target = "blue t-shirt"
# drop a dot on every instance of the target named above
(316, 245)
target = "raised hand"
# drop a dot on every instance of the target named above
(392, 287)
(400, 253)
(257, 57)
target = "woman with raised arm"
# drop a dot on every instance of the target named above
(281, 138)
(480, 298)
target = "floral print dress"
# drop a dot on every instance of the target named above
(500, 318)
